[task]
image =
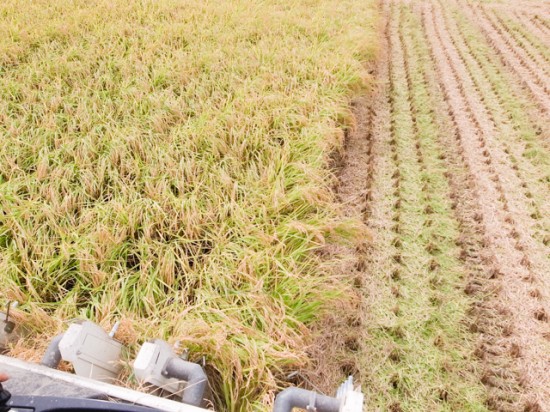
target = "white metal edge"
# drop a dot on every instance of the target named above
(119, 392)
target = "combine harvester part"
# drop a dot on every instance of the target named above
(5, 397)
(158, 365)
(52, 356)
(95, 356)
(98, 389)
(347, 400)
(92, 352)
(7, 327)
(53, 404)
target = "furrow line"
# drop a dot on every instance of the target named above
(531, 80)
(381, 197)
(533, 26)
(413, 354)
(522, 263)
(473, 107)
(543, 23)
(464, 202)
(524, 177)
(400, 123)
(531, 29)
(519, 47)
(535, 6)
(531, 176)
(507, 259)
(457, 111)
(498, 165)
(515, 202)
(483, 284)
(399, 193)
(394, 129)
(517, 104)
(447, 224)
(534, 51)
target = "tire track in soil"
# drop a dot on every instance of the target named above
(362, 191)
(515, 60)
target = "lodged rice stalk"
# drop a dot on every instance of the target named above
(166, 163)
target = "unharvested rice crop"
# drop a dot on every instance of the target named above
(166, 163)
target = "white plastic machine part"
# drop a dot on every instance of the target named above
(117, 392)
(150, 363)
(352, 399)
(92, 352)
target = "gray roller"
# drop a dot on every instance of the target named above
(300, 398)
(52, 356)
(191, 373)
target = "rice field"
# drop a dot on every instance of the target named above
(168, 164)
(296, 191)
(449, 169)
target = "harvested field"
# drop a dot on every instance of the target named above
(449, 168)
